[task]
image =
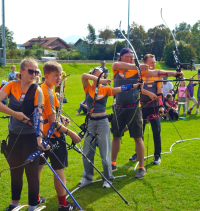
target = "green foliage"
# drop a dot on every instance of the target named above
(184, 36)
(9, 39)
(106, 34)
(28, 53)
(186, 53)
(195, 39)
(91, 36)
(182, 27)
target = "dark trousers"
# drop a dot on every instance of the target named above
(19, 148)
(173, 115)
(156, 128)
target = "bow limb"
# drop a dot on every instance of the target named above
(177, 60)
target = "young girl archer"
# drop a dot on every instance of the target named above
(99, 123)
(26, 99)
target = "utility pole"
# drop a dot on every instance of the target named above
(3, 60)
(128, 22)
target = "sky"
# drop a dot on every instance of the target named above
(63, 18)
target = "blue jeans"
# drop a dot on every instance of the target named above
(104, 143)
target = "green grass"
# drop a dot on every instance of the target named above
(173, 185)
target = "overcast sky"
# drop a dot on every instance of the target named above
(63, 18)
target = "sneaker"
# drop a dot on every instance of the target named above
(42, 200)
(183, 113)
(11, 207)
(157, 160)
(189, 111)
(85, 181)
(197, 111)
(106, 184)
(167, 119)
(133, 158)
(70, 206)
(114, 167)
(140, 174)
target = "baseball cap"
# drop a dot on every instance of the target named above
(124, 51)
(3, 82)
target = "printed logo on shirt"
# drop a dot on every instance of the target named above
(122, 75)
(149, 85)
(22, 97)
(100, 96)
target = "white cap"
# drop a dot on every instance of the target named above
(3, 82)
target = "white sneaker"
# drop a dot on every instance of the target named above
(197, 111)
(106, 185)
(85, 181)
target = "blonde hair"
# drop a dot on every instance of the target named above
(94, 70)
(52, 66)
(25, 62)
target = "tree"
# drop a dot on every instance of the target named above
(184, 36)
(118, 34)
(182, 27)
(187, 53)
(91, 36)
(158, 37)
(9, 39)
(137, 36)
(195, 38)
(106, 34)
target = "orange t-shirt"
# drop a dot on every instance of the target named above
(50, 105)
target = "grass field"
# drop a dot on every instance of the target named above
(173, 185)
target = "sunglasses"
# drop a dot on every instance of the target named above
(97, 68)
(31, 71)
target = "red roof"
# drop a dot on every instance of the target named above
(45, 42)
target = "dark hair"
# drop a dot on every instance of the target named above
(148, 56)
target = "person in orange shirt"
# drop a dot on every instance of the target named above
(25, 104)
(52, 73)
(152, 107)
(99, 123)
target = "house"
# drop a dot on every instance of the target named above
(81, 43)
(53, 43)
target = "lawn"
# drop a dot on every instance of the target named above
(173, 185)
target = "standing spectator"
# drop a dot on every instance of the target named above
(190, 96)
(173, 111)
(103, 63)
(167, 87)
(12, 74)
(39, 75)
(83, 107)
(181, 96)
(198, 93)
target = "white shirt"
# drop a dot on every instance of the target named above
(167, 87)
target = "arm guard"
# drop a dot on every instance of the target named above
(127, 87)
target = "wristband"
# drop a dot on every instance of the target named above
(162, 74)
(59, 128)
(126, 87)
(66, 132)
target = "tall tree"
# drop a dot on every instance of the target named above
(184, 36)
(9, 39)
(195, 38)
(158, 37)
(106, 34)
(118, 34)
(91, 36)
(138, 36)
(182, 27)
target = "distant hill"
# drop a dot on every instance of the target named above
(72, 39)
